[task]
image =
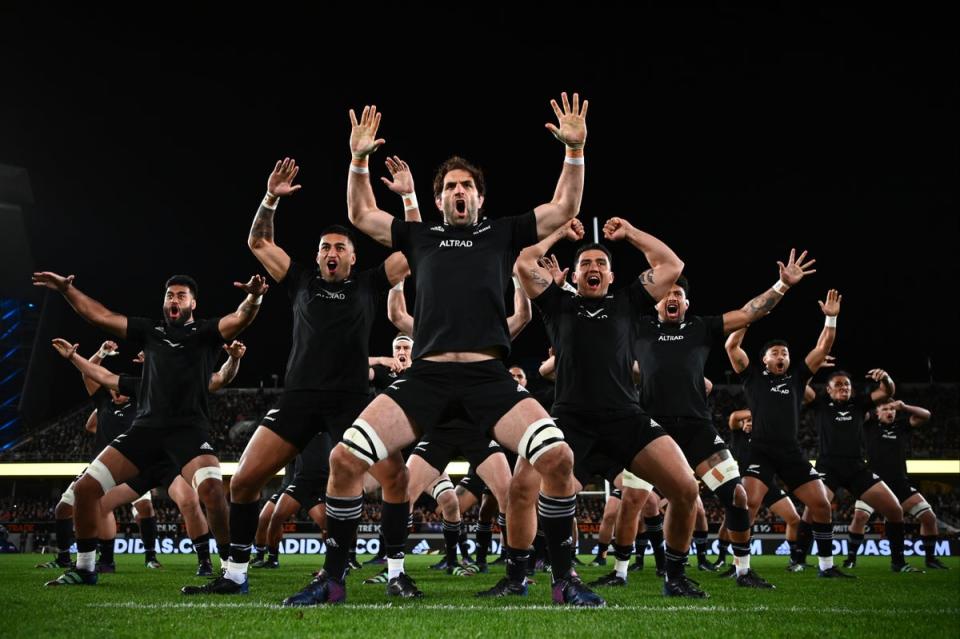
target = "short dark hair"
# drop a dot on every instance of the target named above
(517, 366)
(592, 246)
(684, 284)
(452, 164)
(833, 375)
(338, 229)
(182, 280)
(771, 344)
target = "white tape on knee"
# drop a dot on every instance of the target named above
(68, 497)
(720, 474)
(632, 481)
(102, 474)
(919, 508)
(540, 436)
(441, 487)
(205, 473)
(362, 440)
(863, 506)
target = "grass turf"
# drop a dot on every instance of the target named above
(136, 602)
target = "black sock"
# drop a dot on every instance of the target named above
(895, 537)
(556, 515)
(261, 551)
(64, 539)
(352, 553)
(462, 540)
(640, 547)
(723, 552)
(382, 549)
(655, 535)
(343, 516)
(224, 553)
(243, 529)
(823, 534)
(451, 535)
(517, 561)
(700, 541)
(148, 534)
(929, 547)
(804, 541)
(622, 553)
(273, 553)
(540, 546)
(602, 549)
(106, 551)
(202, 546)
(675, 560)
(393, 518)
(86, 545)
(502, 525)
(484, 537)
(853, 545)
(740, 549)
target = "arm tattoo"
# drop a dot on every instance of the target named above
(761, 304)
(262, 228)
(538, 279)
(246, 309)
(646, 278)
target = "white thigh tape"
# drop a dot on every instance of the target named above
(540, 436)
(205, 473)
(102, 474)
(632, 481)
(864, 506)
(361, 440)
(721, 473)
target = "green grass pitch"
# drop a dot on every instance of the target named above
(136, 602)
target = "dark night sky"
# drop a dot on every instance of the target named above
(732, 134)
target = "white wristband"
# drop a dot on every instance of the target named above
(256, 301)
(570, 160)
(830, 321)
(781, 287)
(102, 354)
(570, 288)
(516, 282)
(398, 286)
(362, 170)
(266, 201)
(409, 201)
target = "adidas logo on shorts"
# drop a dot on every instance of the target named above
(206, 446)
(813, 472)
(754, 467)
(521, 389)
(718, 440)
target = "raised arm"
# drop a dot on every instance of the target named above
(566, 197)
(809, 394)
(534, 278)
(85, 306)
(402, 185)
(790, 275)
(107, 349)
(665, 266)
(231, 325)
(917, 414)
(223, 377)
(887, 388)
(736, 354)
(98, 374)
(522, 311)
(548, 367)
(279, 184)
(361, 203)
(830, 308)
(737, 417)
(550, 264)
(397, 310)
(91, 424)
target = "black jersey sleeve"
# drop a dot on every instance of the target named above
(400, 232)
(209, 330)
(641, 302)
(549, 301)
(714, 326)
(137, 329)
(129, 385)
(524, 231)
(376, 279)
(291, 281)
(804, 373)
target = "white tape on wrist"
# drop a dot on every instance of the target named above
(573, 160)
(398, 286)
(409, 201)
(266, 201)
(830, 321)
(102, 354)
(256, 301)
(362, 170)
(781, 287)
